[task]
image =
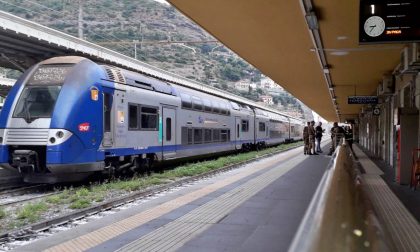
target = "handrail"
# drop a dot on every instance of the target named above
(339, 217)
(308, 231)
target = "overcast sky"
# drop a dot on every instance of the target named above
(162, 1)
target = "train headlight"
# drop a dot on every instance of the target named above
(59, 134)
(52, 140)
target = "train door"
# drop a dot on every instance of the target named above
(168, 133)
(238, 144)
(108, 138)
(120, 122)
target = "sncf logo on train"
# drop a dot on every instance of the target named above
(84, 127)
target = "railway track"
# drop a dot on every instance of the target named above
(33, 230)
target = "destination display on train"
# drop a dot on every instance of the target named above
(49, 75)
(385, 21)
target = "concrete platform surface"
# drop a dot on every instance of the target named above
(256, 207)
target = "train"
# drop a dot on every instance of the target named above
(68, 117)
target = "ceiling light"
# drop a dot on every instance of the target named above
(339, 53)
(342, 37)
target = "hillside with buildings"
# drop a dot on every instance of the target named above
(161, 36)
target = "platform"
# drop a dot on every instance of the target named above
(255, 207)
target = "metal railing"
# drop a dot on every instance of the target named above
(339, 217)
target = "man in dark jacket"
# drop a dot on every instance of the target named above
(318, 136)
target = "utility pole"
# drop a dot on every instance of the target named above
(80, 20)
(135, 48)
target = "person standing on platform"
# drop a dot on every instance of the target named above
(312, 138)
(348, 134)
(306, 149)
(318, 136)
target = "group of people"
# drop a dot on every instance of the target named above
(312, 137)
(312, 134)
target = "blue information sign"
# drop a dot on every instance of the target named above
(362, 100)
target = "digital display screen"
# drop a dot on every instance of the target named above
(382, 21)
(49, 75)
(362, 100)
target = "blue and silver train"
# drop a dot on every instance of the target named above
(69, 117)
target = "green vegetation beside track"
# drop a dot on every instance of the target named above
(83, 197)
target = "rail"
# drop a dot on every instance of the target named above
(340, 217)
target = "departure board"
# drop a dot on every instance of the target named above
(385, 21)
(49, 75)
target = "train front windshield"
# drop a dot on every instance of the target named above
(37, 102)
(41, 91)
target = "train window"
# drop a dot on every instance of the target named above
(133, 117)
(235, 106)
(184, 135)
(224, 109)
(37, 102)
(149, 118)
(216, 108)
(198, 136)
(207, 135)
(216, 135)
(261, 126)
(207, 105)
(245, 125)
(168, 129)
(186, 101)
(224, 135)
(107, 112)
(237, 131)
(190, 136)
(197, 103)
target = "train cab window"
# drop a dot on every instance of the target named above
(168, 129)
(37, 102)
(186, 101)
(216, 135)
(198, 136)
(207, 135)
(149, 118)
(261, 126)
(133, 117)
(197, 103)
(207, 105)
(245, 125)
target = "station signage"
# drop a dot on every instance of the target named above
(362, 100)
(383, 21)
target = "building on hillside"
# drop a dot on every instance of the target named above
(267, 99)
(268, 84)
(242, 86)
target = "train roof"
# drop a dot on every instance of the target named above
(162, 85)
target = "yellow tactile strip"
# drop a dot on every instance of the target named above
(403, 228)
(176, 233)
(101, 235)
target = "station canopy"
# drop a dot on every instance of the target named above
(273, 35)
